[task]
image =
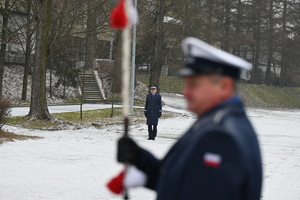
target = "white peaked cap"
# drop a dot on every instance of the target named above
(200, 55)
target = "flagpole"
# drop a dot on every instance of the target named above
(126, 79)
(125, 85)
(125, 70)
(133, 64)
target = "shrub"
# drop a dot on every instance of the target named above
(5, 112)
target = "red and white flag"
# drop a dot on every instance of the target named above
(133, 177)
(212, 159)
(123, 15)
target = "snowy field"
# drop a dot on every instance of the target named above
(76, 164)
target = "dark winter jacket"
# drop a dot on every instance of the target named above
(218, 158)
(153, 109)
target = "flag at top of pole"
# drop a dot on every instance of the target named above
(123, 15)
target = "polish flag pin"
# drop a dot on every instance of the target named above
(212, 159)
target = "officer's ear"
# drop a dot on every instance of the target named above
(227, 87)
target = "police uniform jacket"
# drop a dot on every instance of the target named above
(218, 158)
(153, 108)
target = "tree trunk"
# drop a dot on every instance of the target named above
(227, 26)
(38, 104)
(91, 35)
(158, 60)
(209, 28)
(28, 51)
(268, 78)
(50, 75)
(117, 66)
(282, 78)
(237, 46)
(5, 16)
(257, 41)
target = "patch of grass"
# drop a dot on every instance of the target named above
(89, 115)
(10, 137)
(269, 96)
(28, 122)
(117, 98)
(170, 84)
(139, 102)
(72, 119)
(73, 101)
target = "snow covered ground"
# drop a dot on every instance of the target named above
(13, 84)
(76, 164)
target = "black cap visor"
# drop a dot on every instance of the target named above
(202, 66)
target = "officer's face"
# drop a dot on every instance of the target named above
(203, 92)
(153, 91)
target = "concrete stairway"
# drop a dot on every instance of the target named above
(91, 90)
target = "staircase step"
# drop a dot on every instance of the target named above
(93, 95)
(93, 99)
(91, 87)
(91, 91)
(90, 84)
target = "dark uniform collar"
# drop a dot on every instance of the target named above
(234, 102)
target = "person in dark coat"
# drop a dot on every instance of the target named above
(219, 157)
(152, 112)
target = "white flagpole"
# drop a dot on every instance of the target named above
(126, 64)
(133, 64)
(126, 77)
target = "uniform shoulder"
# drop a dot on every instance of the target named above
(217, 132)
(220, 139)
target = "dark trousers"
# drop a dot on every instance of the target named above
(152, 130)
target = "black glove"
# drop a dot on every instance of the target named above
(159, 114)
(145, 113)
(128, 151)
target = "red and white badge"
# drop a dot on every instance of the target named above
(212, 159)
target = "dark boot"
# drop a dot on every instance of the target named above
(151, 135)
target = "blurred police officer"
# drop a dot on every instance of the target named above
(218, 158)
(152, 112)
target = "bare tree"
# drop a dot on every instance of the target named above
(29, 33)
(283, 77)
(5, 10)
(268, 77)
(38, 104)
(91, 33)
(20, 33)
(158, 51)
(257, 39)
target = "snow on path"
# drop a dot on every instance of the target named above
(76, 164)
(279, 135)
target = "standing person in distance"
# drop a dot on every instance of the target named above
(218, 158)
(152, 111)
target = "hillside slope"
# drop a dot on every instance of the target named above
(253, 95)
(269, 96)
